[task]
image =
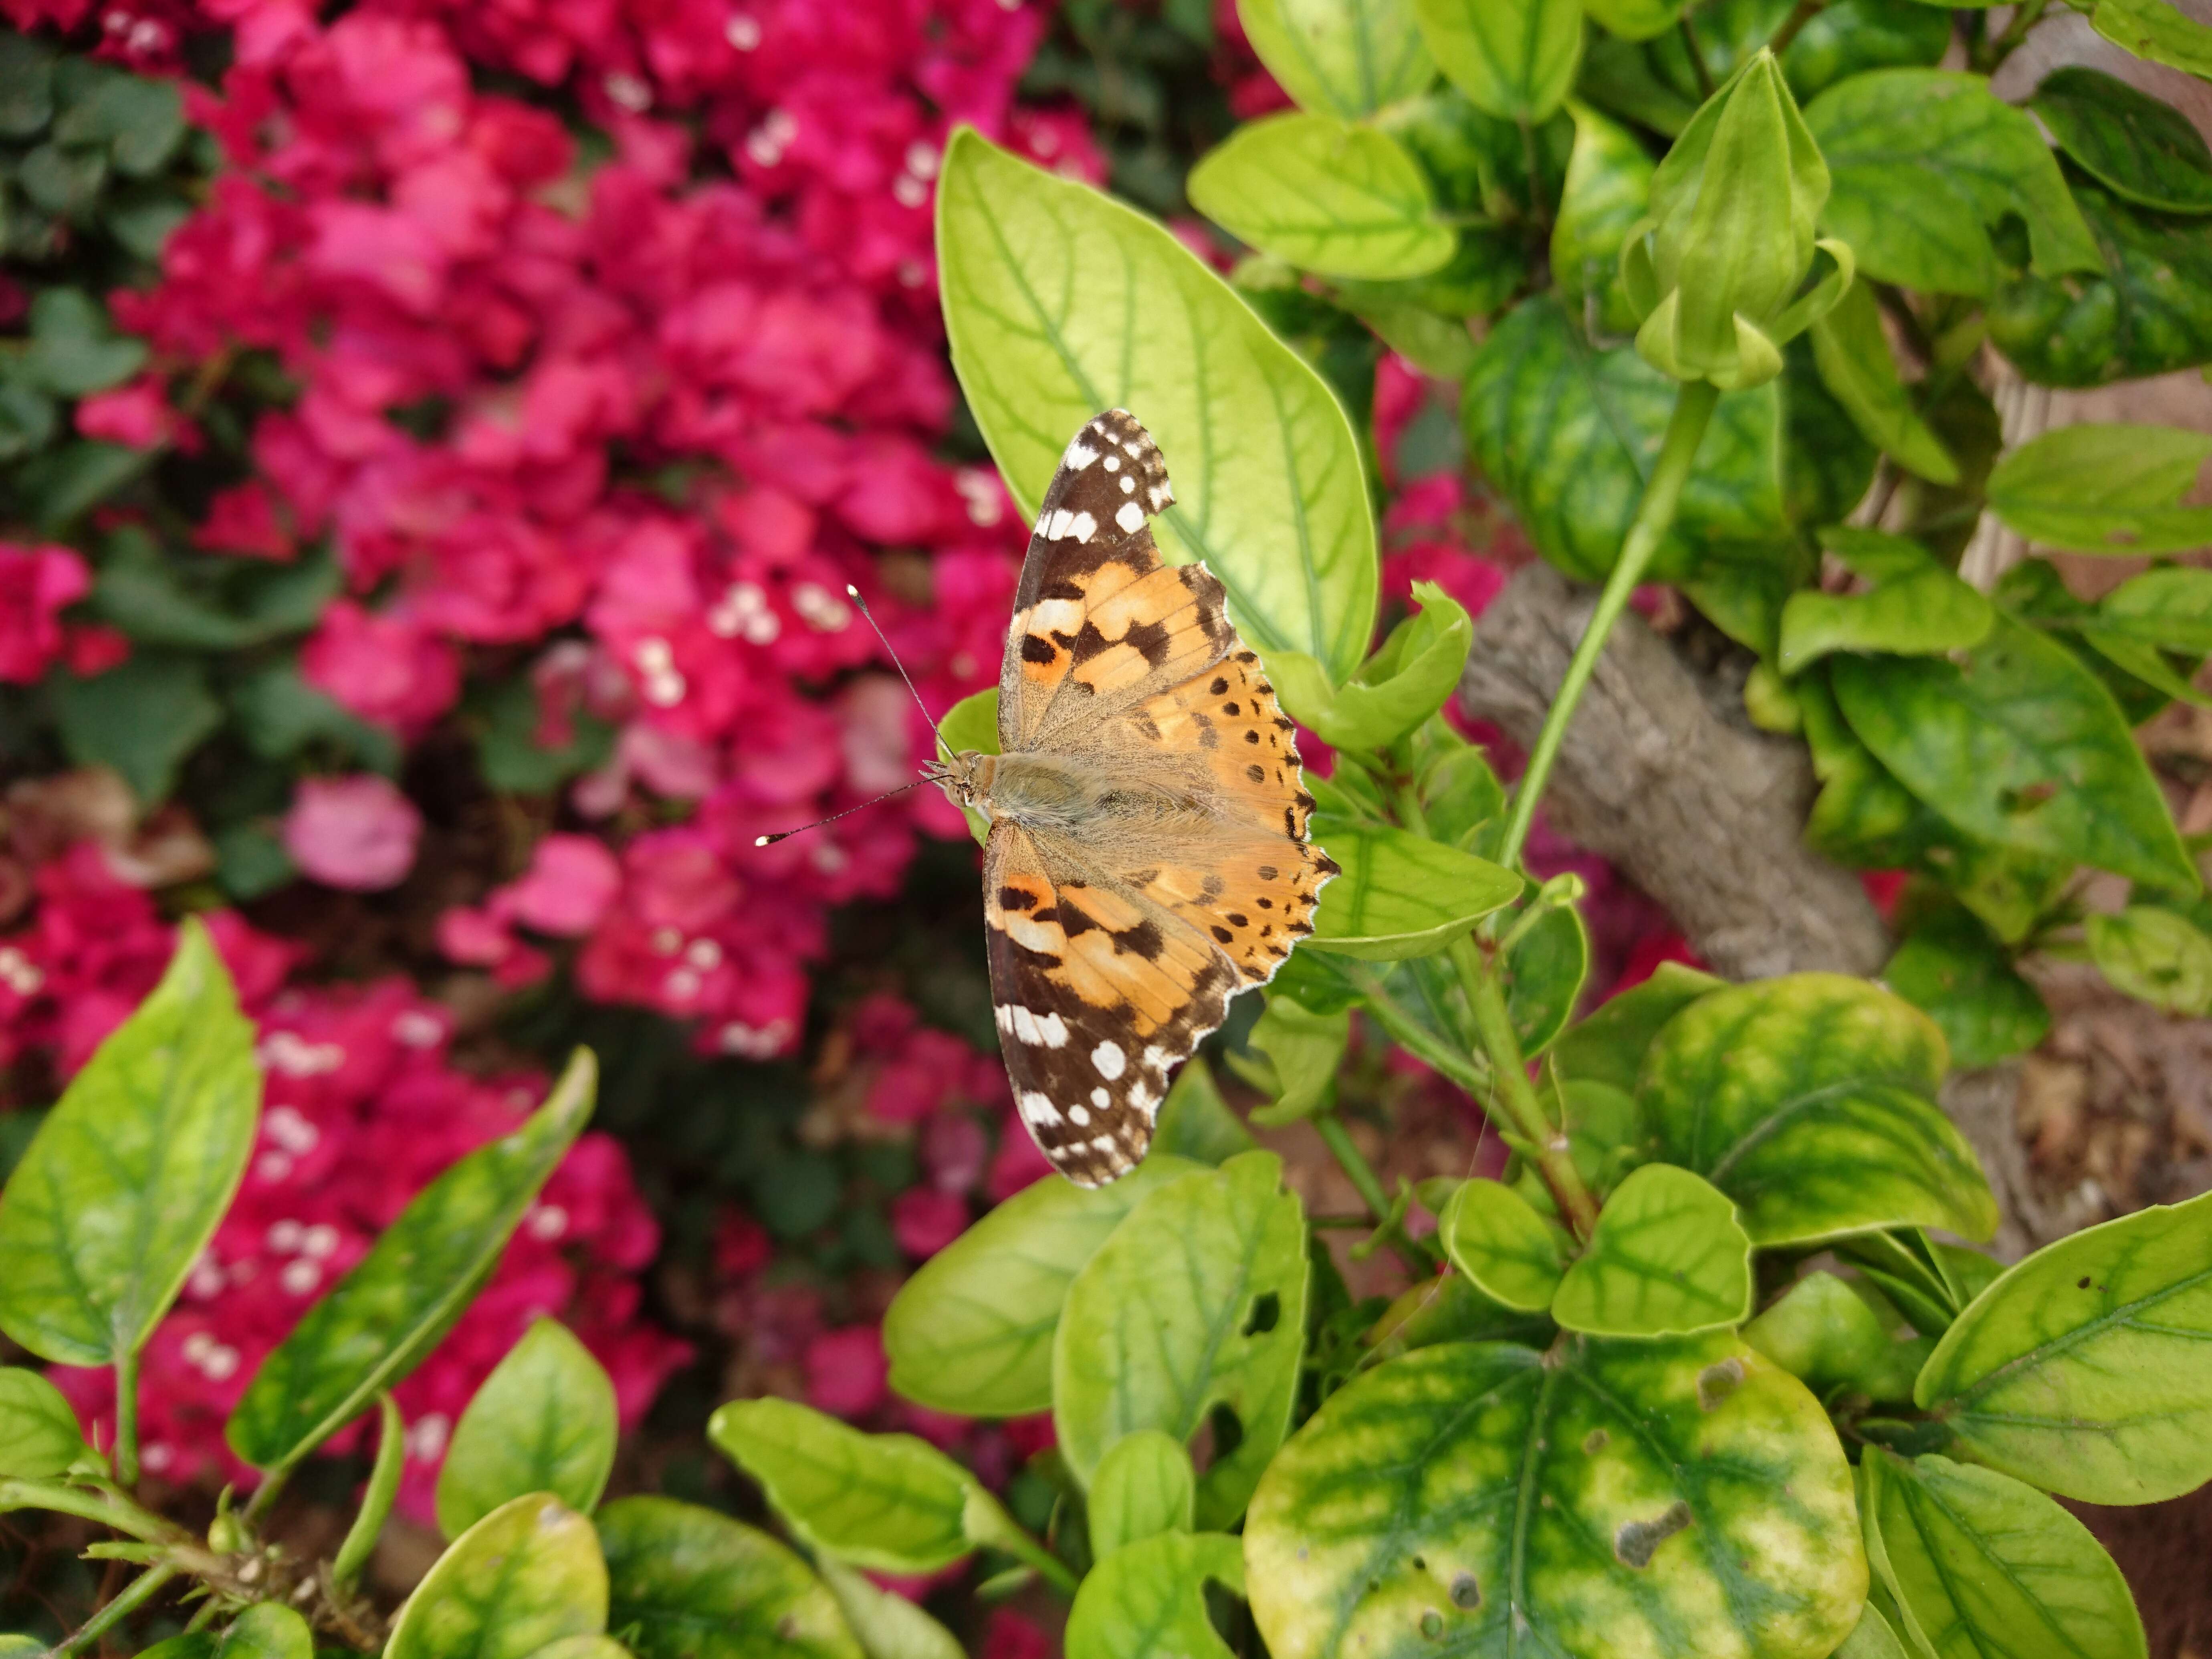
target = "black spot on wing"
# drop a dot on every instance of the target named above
(1037, 649)
(1150, 640)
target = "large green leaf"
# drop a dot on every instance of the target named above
(685, 1583)
(886, 1625)
(1984, 1567)
(2136, 147)
(1340, 57)
(1147, 1601)
(2149, 311)
(1668, 1258)
(1060, 302)
(382, 1318)
(1954, 971)
(74, 349)
(1911, 605)
(1195, 1124)
(2083, 1369)
(1810, 1100)
(1921, 162)
(1851, 37)
(1197, 1303)
(1854, 356)
(1142, 1487)
(1828, 1335)
(268, 1630)
(123, 1183)
(2113, 488)
(2157, 30)
(1515, 60)
(143, 718)
(1667, 1497)
(38, 1432)
(2017, 743)
(971, 1332)
(2170, 607)
(1324, 194)
(1569, 435)
(887, 1501)
(1508, 1251)
(1609, 1046)
(1608, 182)
(543, 1421)
(2155, 954)
(527, 1575)
(1402, 895)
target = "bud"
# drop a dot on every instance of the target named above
(1713, 267)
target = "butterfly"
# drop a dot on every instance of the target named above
(1147, 856)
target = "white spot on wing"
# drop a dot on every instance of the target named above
(1129, 486)
(1079, 1116)
(1082, 526)
(1156, 1058)
(1113, 463)
(1160, 495)
(1037, 1110)
(1038, 1031)
(1079, 455)
(1109, 1059)
(1143, 1099)
(1131, 518)
(1099, 1097)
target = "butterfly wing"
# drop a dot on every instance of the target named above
(1099, 623)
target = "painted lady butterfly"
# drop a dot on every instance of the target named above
(1147, 856)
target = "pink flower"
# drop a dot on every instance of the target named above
(925, 1221)
(137, 415)
(1008, 1635)
(388, 668)
(846, 1371)
(570, 882)
(243, 520)
(358, 832)
(36, 583)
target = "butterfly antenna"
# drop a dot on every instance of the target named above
(786, 835)
(853, 594)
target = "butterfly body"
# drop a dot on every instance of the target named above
(1148, 857)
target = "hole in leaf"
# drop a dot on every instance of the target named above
(1464, 1592)
(1716, 1382)
(1227, 1432)
(1636, 1540)
(1420, 1564)
(1267, 1309)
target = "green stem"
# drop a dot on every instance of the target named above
(1803, 13)
(139, 1591)
(126, 1418)
(376, 1503)
(108, 1509)
(1516, 1098)
(1031, 1553)
(264, 1495)
(1697, 58)
(1369, 1186)
(1686, 429)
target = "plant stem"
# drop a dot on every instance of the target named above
(264, 1494)
(139, 1591)
(1697, 58)
(1516, 1096)
(126, 1418)
(108, 1509)
(1686, 429)
(1031, 1553)
(1369, 1186)
(376, 1503)
(1804, 13)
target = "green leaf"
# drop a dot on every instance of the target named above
(2105, 489)
(143, 718)
(1543, 973)
(138, 121)
(886, 1625)
(2146, 311)
(268, 1630)
(1142, 1486)
(1984, 1567)
(1609, 1046)
(1921, 162)
(1402, 895)
(1873, 1639)
(891, 1502)
(1396, 689)
(1606, 1497)
(1459, 793)
(126, 1180)
(686, 1582)
(2083, 1369)
(1851, 37)
(512, 757)
(1511, 1254)
(2155, 956)
(2154, 29)
(1290, 1055)
(971, 725)
(528, 1574)
(1913, 607)
(381, 1318)
(1608, 182)
(1340, 57)
(1827, 1336)
(1810, 1100)
(1450, 1309)
(1147, 1599)
(2018, 743)
(1197, 1303)
(1854, 357)
(2142, 151)
(279, 714)
(542, 1421)
(73, 349)
(38, 1432)
(1902, 1265)
(2170, 607)
(1328, 196)
(1569, 435)
(1060, 302)
(1196, 1123)
(972, 1331)
(27, 85)
(1952, 970)
(1636, 20)
(590, 1647)
(1667, 1259)
(1515, 60)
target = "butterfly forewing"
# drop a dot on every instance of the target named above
(1118, 926)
